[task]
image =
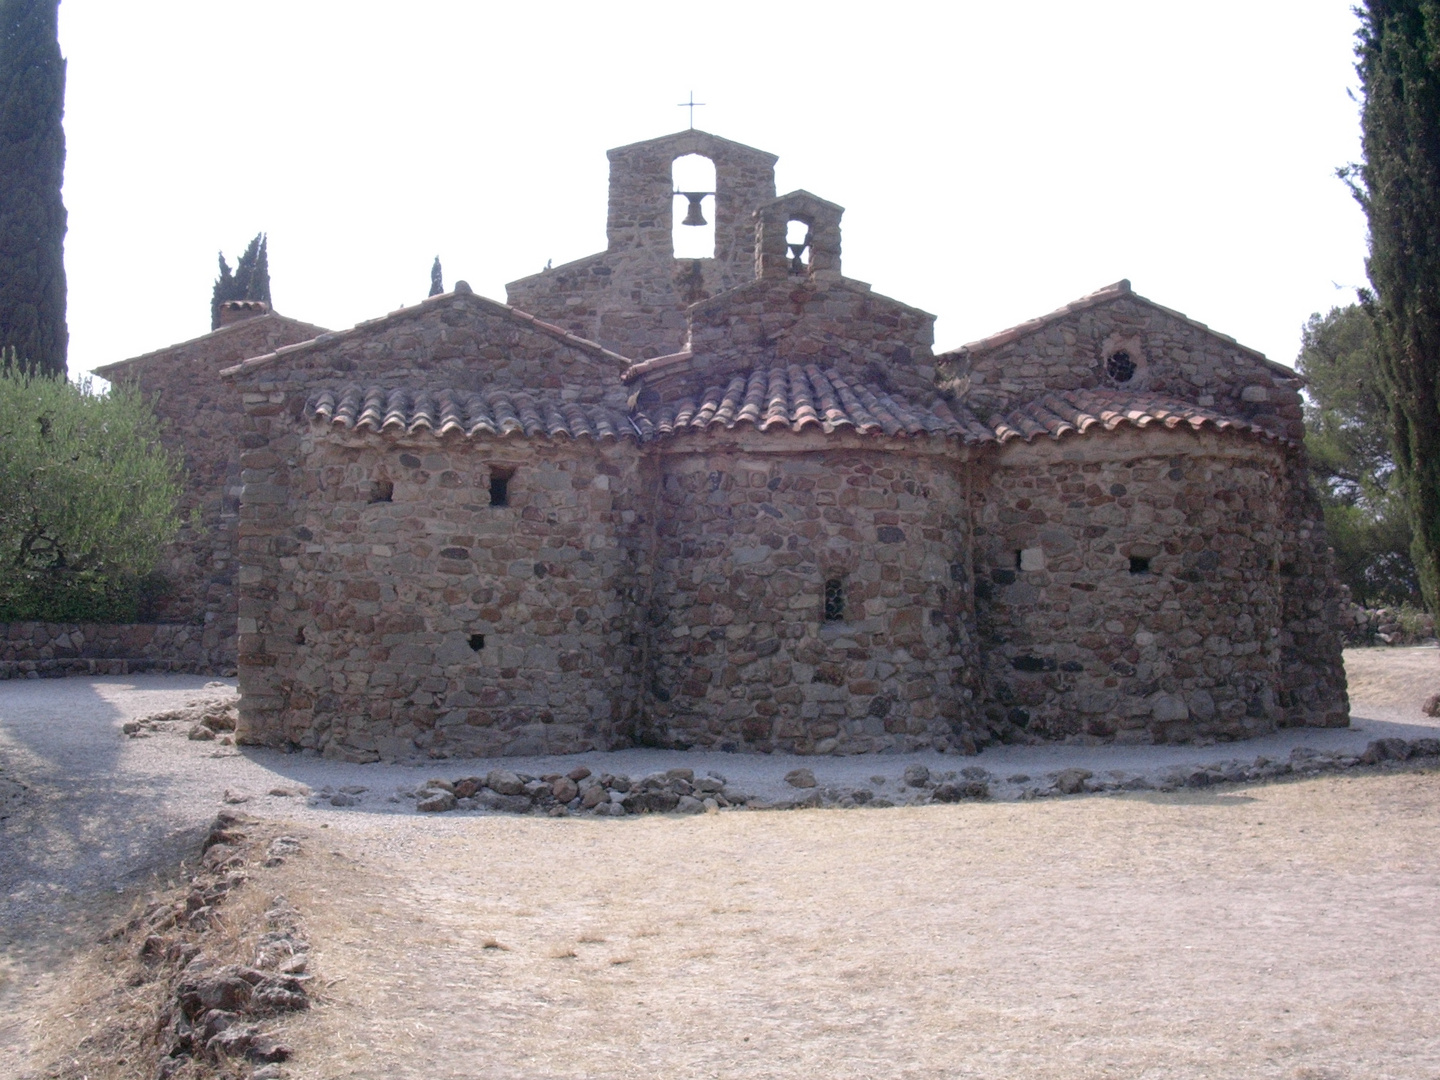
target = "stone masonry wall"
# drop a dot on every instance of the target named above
(41, 650)
(200, 416)
(815, 320)
(1079, 642)
(456, 341)
(1173, 357)
(741, 653)
(1312, 608)
(359, 619)
(632, 297)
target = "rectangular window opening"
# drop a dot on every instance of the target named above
(477, 641)
(1139, 564)
(500, 485)
(835, 600)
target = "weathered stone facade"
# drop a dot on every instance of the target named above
(780, 523)
(1130, 587)
(750, 533)
(200, 419)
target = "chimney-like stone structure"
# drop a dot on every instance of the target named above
(233, 311)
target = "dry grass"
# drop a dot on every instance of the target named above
(101, 1019)
(1280, 931)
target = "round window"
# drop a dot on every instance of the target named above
(1120, 366)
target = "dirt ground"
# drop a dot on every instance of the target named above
(1289, 930)
(1392, 678)
(1280, 931)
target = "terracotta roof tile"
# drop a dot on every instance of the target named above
(1066, 412)
(798, 398)
(794, 398)
(497, 413)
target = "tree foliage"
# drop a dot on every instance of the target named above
(32, 167)
(437, 280)
(1398, 184)
(1348, 436)
(89, 504)
(250, 279)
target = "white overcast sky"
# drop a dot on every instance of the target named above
(995, 160)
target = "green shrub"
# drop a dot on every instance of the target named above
(88, 501)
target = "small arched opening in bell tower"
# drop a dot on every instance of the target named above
(797, 245)
(693, 231)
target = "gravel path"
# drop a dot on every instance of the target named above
(86, 812)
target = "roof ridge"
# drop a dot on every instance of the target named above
(461, 289)
(1104, 295)
(252, 321)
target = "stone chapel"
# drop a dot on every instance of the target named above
(737, 501)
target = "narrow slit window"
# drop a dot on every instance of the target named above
(835, 600)
(500, 486)
(1019, 559)
(381, 491)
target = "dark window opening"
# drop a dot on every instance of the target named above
(1139, 564)
(381, 491)
(1119, 366)
(477, 641)
(500, 486)
(1018, 560)
(835, 600)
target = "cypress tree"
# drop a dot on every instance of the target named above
(32, 167)
(437, 283)
(1398, 184)
(250, 279)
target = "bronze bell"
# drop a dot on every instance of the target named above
(797, 264)
(693, 216)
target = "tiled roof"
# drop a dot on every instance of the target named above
(797, 398)
(496, 412)
(1079, 412)
(790, 399)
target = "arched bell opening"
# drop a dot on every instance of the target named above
(693, 231)
(797, 245)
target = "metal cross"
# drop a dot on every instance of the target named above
(692, 104)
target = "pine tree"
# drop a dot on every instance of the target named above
(1398, 184)
(250, 279)
(1352, 461)
(32, 166)
(437, 283)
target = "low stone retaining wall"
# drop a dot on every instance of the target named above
(1386, 626)
(33, 650)
(680, 791)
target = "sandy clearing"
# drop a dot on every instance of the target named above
(1083, 937)
(1279, 931)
